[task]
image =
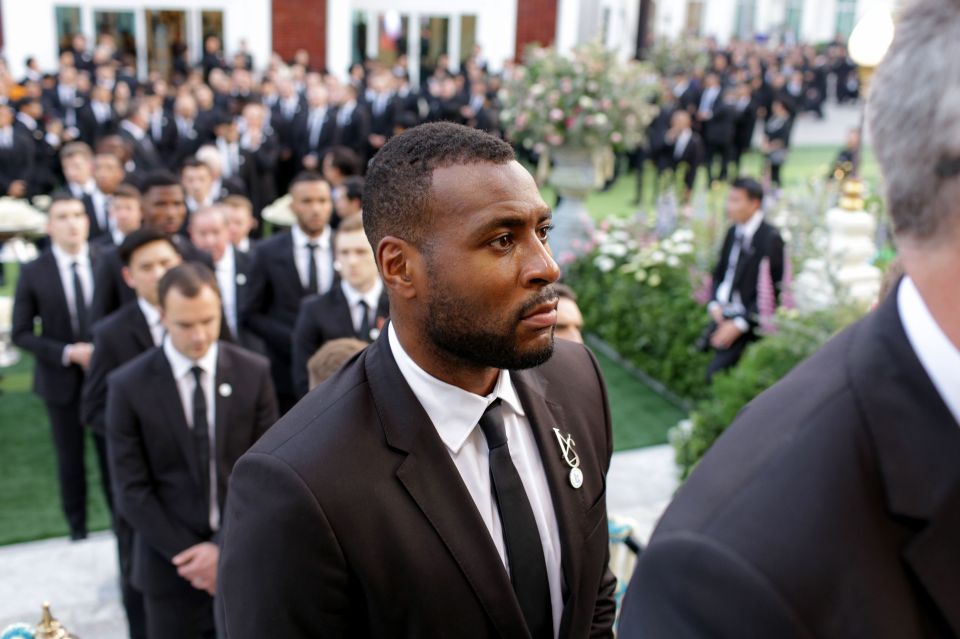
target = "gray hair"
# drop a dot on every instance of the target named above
(914, 116)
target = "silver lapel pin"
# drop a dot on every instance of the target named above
(570, 457)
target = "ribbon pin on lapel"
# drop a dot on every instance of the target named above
(570, 457)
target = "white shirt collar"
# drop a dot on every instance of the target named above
(453, 411)
(300, 239)
(749, 228)
(64, 259)
(181, 364)
(225, 263)
(371, 297)
(150, 312)
(133, 129)
(939, 357)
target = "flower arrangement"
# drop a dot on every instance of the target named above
(670, 57)
(18, 217)
(590, 99)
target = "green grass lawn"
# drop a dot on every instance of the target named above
(29, 501)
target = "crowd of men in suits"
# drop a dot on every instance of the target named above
(709, 114)
(155, 296)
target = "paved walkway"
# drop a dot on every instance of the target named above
(80, 579)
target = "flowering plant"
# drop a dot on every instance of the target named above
(590, 99)
(682, 55)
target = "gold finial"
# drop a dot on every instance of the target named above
(851, 195)
(49, 627)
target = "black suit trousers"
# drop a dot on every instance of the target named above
(132, 598)
(727, 357)
(68, 442)
(181, 616)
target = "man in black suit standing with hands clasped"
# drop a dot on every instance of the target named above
(831, 506)
(178, 418)
(356, 308)
(734, 310)
(57, 289)
(449, 480)
(288, 267)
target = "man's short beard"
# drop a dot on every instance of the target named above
(456, 329)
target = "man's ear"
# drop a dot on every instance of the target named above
(127, 277)
(399, 261)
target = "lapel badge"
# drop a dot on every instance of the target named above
(570, 457)
(241, 279)
(374, 334)
(225, 390)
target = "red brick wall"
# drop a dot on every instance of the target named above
(301, 24)
(536, 22)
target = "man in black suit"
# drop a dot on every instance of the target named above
(185, 134)
(378, 507)
(164, 209)
(16, 157)
(124, 212)
(685, 148)
(352, 124)
(44, 166)
(208, 232)
(831, 506)
(285, 114)
(133, 130)
(314, 129)
(259, 152)
(76, 158)
(134, 328)
(288, 267)
(178, 418)
(97, 119)
(751, 244)
(358, 307)
(56, 289)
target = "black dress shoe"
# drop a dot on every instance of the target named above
(77, 535)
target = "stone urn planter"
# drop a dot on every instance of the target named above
(575, 173)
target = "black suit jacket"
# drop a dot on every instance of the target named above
(90, 129)
(153, 465)
(355, 131)
(830, 508)
(257, 170)
(42, 170)
(349, 519)
(301, 134)
(272, 302)
(321, 319)
(117, 339)
(16, 162)
(766, 243)
(40, 295)
(146, 157)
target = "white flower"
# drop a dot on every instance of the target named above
(585, 101)
(615, 249)
(620, 235)
(604, 263)
(657, 257)
(600, 119)
(640, 275)
(673, 261)
(654, 279)
(682, 235)
(683, 249)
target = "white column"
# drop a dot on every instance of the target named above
(718, 19)
(413, 48)
(568, 20)
(339, 37)
(453, 41)
(140, 19)
(373, 34)
(771, 15)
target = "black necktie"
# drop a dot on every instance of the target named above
(528, 569)
(364, 332)
(312, 286)
(80, 304)
(201, 435)
(90, 208)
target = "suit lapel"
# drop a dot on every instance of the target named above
(287, 261)
(51, 274)
(175, 418)
(432, 480)
(341, 313)
(139, 329)
(748, 253)
(568, 504)
(222, 418)
(917, 443)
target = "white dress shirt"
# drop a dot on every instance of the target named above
(939, 357)
(84, 271)
(455, 414)
(680, 146)
(101, 206)
(225, 270)
(354, 297)
(152, 314)
(323, 256)
(726, 295)
(229, 157)
(183, 375)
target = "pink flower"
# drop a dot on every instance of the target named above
(556, 114)
(521, 120)
(616, 138)
(554, 139)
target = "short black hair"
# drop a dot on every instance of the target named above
(191, 162)
(307, 176)
(353, 188)
(345, 160)
(397, 197)
(189, 278)
(62, 196)
(140, 238)
(752, 188)
(157, 179)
